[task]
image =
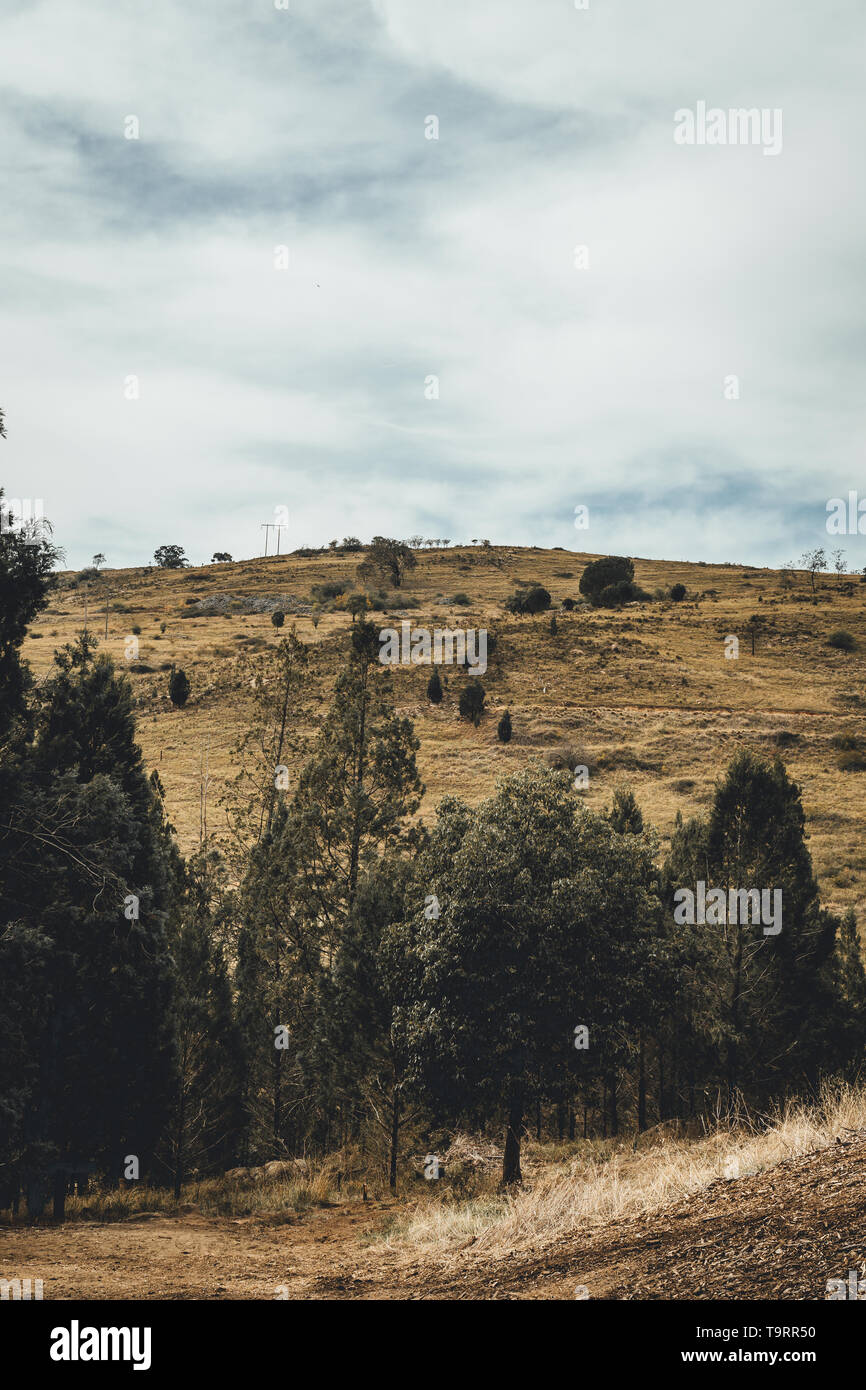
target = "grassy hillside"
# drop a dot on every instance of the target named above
(644, 694)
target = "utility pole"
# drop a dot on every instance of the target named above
(272, 526)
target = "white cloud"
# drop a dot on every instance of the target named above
(411, 257)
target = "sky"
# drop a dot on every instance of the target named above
(429, 352)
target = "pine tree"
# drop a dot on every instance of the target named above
(26, 579)
(434, 687)
(205, 1115)
(547, 918)
(89, 878)
(353, 798)
(759, 991)
(503, 731)
(178, 688)
(625, 815)
(472, 698)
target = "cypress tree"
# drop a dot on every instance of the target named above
(434, 688)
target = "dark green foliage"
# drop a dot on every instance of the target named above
(26, 580)
(350, 808)
(603, 574)
(205, 1115)
(472, 698)
(625, 815)
(761, 995)
(614, 595)
(534, 599)
(170, 557)
(842, 641)
(388, 559)
(434, 687)
(88, 880)
(678, 592)
(278, 618)
(503, 731)
(178, 688)
(325, 593)
(546, 918)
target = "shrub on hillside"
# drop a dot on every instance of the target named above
(678, 592)
(842, 641)
(503, 731)
(534, 599)
(623, 591)
(472, 698)
(434, 688)
(333, 588)
(178, 688)
(602, 574)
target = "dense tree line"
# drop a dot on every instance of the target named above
(342, 974)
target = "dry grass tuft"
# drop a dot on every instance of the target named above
(603, 1183)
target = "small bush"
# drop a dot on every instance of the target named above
(503, 732)
(535, 599)
(842, 641)
(335, 588)
(278, 618)
(853, 760)
(472, 698)
(599, 576)
(568, 605)
(178, 688)
(434, 688)
(623, 591)
(461, 600)
(678, 592)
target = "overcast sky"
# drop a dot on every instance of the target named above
(411, 258)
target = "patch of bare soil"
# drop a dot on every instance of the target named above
(780, 1235)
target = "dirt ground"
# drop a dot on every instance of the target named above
(781, 1234)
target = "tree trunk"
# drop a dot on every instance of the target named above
(511, 1159)
(59, 1196)
(614, 1112)
(395, 1135)
(641, 1089)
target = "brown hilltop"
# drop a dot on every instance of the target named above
(644, 693)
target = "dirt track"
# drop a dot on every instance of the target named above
(778, 1235)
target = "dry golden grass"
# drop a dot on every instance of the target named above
(605, 1181)
(646, 692)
